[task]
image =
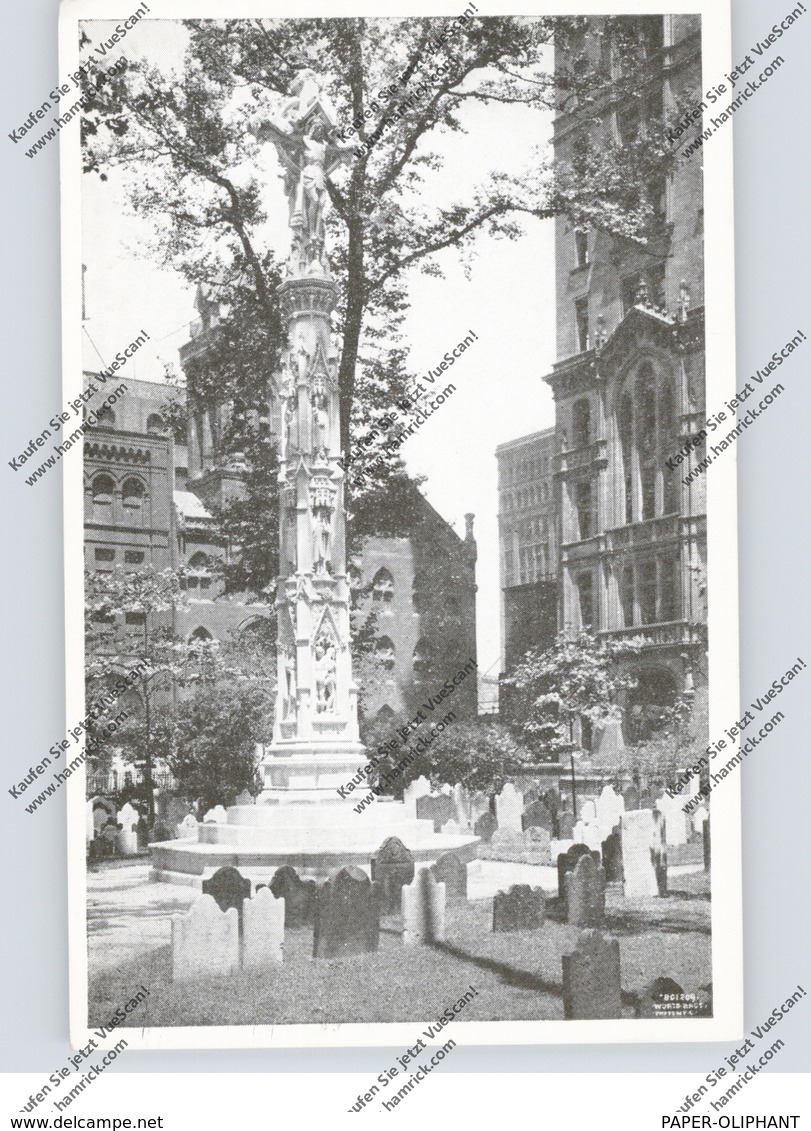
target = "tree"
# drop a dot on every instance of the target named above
(216, 734)
(675, 742)
(184, 142)
(580, 676)
(146, 601)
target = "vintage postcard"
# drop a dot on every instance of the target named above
(398, 439)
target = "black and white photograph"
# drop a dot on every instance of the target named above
(396, 420)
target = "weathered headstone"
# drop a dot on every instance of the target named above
(423, 910)
(638, 870)
(705, 833)
(519, 909)
(436, 809)
(585, 894)
(187, 827)
(675, 819)
(591, 979)
(508, 841)
(537, 816)
(392, 867)
(413, 791)
(205, 941)
(142, 833)
(347, 916)
(551, 800)
(229, 888)
(108, 838)
(450, 871)
(588, 833)
(539, 842)
(485, 826)
(299, 896)
(262, 930)
(217, 816)
(103, 811)
(567, 861)
(588, 812)
(509, 807)
(565, 826)
(660, 852)
(611, 852)
(450, 828)
(126, 841)
(630, 797)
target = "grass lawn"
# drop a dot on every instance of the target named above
(517, 976)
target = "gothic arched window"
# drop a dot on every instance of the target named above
(103, 490)
(132, 494)
(647, 427)
(155, 424)
(383, 587)
(384, 650)
(581, 423)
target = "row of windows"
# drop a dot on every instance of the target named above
(649, 593)
(533, 565)
(422, 658)
(384, 592)
(103, 489)
(520, 470)
(533, 496)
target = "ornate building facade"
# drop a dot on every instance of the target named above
(629, 393)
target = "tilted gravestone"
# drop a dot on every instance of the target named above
(205, 941)
(519, 909)
(392, 867)
(638, 869)
(484, 827)
(566, 863)
(612, 857)
(299, 896)
(347, 916)
(537, 816)
(423, 909)
(262, 930)
(591, 979)
(229, 888)
(450, 871)
(436, 809)
(585, 894)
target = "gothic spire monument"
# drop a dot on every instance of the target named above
(303, 817)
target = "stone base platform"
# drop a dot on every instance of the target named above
(313, 839)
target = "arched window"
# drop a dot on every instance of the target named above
(581, 423)
(199, 561)
(132, 494)
(155, 424)
(647, 428)
(383, 587)
(103, 491)
(423, 657)
(384, 650)
(105, 417)
(198, 571)
(646, 439)
(385, 713)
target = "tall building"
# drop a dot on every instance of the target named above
(629, 393)
(527, 545)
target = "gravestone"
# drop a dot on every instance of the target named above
(646, 799)
(479, 805)
(537, 816)
(509, 807)
(551, 800)
(347, 916)
(585, 894)
(423, 909)
(126, 841)
(588, 812)
(485, 827)
(609, 810)
(262, 930)
(591, 979)
(187, 827)
(392, 866)
(565, 826)
(176, 809)
(299, 896)
(217, 816)
(451, 828)
(699, 817)
(705, 832)
(108, 838)
(142, 833)
(450, 871)
(229, 888)
(662, 999)
(567, 861)
(519, 909)
(205, 941)
(412, 792)
(539, 842)
(244, 798)
(436, 809)
(588, 833)
(630, 797)
(460, 806)
(103, 811)
(660, 852)
(638, 869)
(508, 840)
(161, 832)
(530, 794)
(612, 857)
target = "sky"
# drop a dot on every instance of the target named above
(509, 302)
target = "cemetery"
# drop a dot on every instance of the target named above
(606, 927)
